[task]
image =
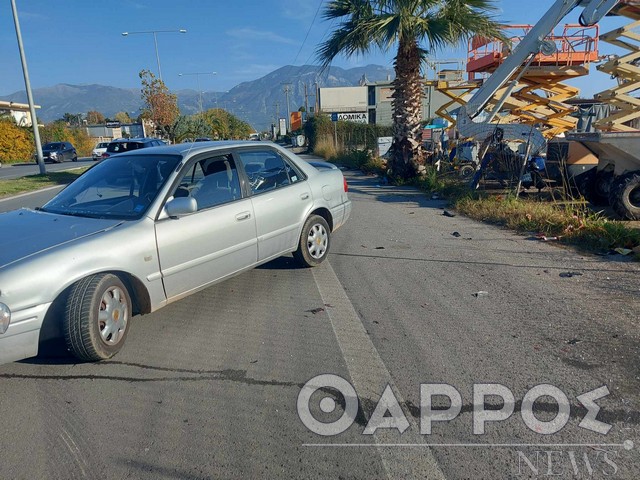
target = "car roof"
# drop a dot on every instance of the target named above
(185, 149)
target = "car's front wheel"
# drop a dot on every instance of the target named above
(314, 243)
(97, 317)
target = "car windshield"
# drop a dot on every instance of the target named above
(102, 145)
(52, 146)
(122, 188)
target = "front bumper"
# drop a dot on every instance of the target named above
(21, 338)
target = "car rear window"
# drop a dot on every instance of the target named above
(119, 147)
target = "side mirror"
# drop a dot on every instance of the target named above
(181, 206)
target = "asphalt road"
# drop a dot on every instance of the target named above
(21, 169)
(207, 387)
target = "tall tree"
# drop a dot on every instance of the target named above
(95, 118)
(413, 28)
(161, 106)
(123, 117)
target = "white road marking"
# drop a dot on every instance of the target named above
(370, 376)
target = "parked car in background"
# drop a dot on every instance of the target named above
(151, 226)
(98, 150)
(58, 152)
(122, 145)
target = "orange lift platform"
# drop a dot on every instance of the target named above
(538, 98)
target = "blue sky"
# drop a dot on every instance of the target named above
(80, 41)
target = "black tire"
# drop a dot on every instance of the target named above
(466, 172)
(314, 243)
(75, 158)
(85, 329)
(597, 192)
(624, 196)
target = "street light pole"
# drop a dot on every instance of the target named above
(287, 89)
(155, 42)
(197, 74)
(27, 85)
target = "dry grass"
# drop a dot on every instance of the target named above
(325, 148)
(573, 224)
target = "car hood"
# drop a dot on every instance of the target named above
(27, 232)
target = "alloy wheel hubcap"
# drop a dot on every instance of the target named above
(318, 241)
(113, 315)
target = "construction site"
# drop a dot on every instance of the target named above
(515, 120)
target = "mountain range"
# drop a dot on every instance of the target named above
(255, 101)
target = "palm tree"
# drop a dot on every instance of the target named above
(416, 27)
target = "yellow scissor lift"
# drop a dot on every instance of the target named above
(625, 70)
(616, 180)
(538, 98)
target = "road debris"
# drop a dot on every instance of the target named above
(481, 293)
(456, 234)
(573, 341)
(570, 274)
(623, 251)
(447, 213)
(379, 248)
(315, 310)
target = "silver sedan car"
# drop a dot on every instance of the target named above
(149, 227)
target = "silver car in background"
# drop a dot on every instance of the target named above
(149, 227)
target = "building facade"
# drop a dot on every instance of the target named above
(372, 102)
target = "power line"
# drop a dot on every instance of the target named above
(308, 31)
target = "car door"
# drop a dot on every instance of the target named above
(281, 199)
(216, 241)
(67, 154)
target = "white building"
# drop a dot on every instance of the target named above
(19, 111)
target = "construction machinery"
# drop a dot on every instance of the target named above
(616, 179)
(617, 145)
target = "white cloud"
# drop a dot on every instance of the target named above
(256, 69)
(299, 10)
(31, 16)
(253, 35)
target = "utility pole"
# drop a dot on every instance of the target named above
(287, 89)
(27, 85)
(277, 105)
(317, 99)
(306, 100)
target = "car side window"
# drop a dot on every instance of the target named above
(267, 170)
(212, 182)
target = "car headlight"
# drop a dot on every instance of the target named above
(53, 154)
(5, 317)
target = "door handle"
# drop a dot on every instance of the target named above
(304, 196)
(243, 216)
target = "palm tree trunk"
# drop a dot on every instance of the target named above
(407, 153)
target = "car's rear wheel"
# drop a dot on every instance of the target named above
(314, 243)
(97, 317)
